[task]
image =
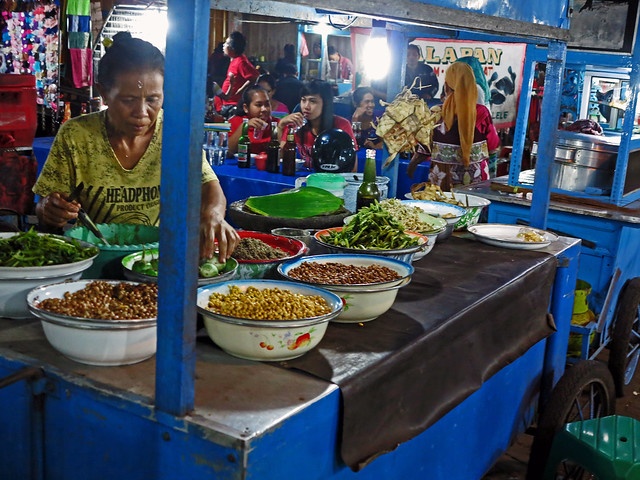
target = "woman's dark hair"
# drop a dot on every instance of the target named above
(290, 50)
(416, 48)
(237, 42)
(267, 78)
(128, 54)
(359, 93)
(324, 90)
(247, 96)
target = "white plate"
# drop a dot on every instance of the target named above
(506, 236)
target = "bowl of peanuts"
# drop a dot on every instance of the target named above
(366, 284)
(259, 254)
(272, 320)
(98, 322)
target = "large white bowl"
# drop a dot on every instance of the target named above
(17, 282)
(363, 302)
(93, 341)
(403, 254)
(270, 340)
(471, 203)
(447, 211)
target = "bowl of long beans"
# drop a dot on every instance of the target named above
(30, 259)
(373, 231)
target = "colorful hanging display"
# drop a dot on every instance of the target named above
(29, 45)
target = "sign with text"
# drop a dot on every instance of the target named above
(502, 63)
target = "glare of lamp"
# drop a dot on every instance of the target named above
(153, 27)
(376, 54)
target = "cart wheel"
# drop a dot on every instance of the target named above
(585, 391)
(624, 348)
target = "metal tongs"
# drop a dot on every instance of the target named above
(84, 217)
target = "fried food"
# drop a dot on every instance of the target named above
(529, 235)
(429, 191)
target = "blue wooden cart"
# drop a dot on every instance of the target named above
(194, 412)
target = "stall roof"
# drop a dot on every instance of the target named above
(410, 12)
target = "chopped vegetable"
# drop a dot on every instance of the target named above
(33, 249)
(372, 228)
(211, 268)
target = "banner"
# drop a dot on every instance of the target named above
(503, 65)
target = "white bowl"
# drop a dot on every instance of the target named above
(93, 341)
(363, 302)
(447, 211)
(271, 340)
(403, 254)
(17, 282)
(471, 203)
(127, 266)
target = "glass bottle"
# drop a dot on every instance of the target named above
(368, 192)
(244, 146)
(273, 150)
(289, 155)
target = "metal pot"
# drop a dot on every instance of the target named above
(584, 163)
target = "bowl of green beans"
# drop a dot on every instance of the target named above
(30, 259)
(373, 230)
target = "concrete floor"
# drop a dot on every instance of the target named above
(513, 464)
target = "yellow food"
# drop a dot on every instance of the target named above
(267, 304)
(429, 191)
(530, 235)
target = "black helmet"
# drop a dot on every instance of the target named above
(333, 152)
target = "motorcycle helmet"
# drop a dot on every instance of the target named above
(333, 151)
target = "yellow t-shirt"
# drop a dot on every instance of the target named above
(81, 152)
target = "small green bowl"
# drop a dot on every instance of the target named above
(124, 239)
(228, 273)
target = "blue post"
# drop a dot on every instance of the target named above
(548, 133)
(184, 89)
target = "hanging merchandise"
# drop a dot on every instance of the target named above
(29, 45)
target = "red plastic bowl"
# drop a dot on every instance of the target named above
(265, 268)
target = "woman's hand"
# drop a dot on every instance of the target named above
(213, 226)
(55, 211)
(416, 160)
(258, 124)
(296, 120)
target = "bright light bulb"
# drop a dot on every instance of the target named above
(376, 56)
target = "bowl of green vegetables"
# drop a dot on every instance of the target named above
(143, 267)
(373, 230)
(31, 259)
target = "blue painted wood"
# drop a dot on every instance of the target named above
(553, 14)
(548, 133)
(185, 75)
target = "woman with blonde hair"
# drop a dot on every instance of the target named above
(462, 142)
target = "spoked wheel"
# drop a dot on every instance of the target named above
(585, 391)
(624, 349)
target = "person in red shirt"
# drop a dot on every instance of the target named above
(240, 74)
(344, 64)
(315, 116)
(255, 106)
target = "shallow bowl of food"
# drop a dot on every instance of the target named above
(143, 267)
(406, 254)
(448, 212)
(259, 254)
(89, 332)
(31, 259)
(123, 239)
(473, 205)
(367, 284)
(270, 320)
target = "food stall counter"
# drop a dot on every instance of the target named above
(398, 384)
